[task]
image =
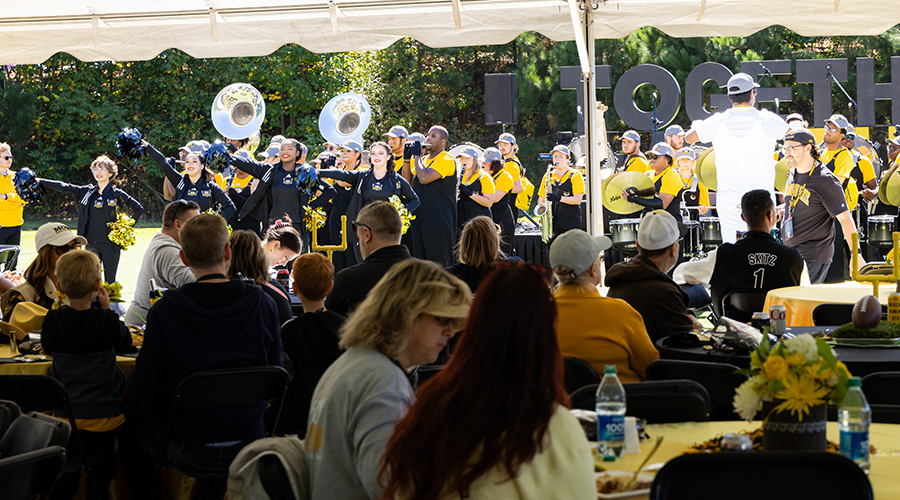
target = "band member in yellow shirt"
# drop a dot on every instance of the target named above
(11, 206)
(566, 191)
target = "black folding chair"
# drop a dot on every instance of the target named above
(218, 389)
(881, 390)
(29, 475)
(837, 314)
(33, 432)
(41, 393)
(9, 411)
(8, 255)
(657, 402)
(751, 476)
(719, 379)
(578, 373)
(740, 304)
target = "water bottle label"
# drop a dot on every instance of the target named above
(855, 445)
(610, 428)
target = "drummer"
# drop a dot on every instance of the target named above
(839, 160)
(675, 137)
(694, 195)
(566, 191)
(631, 159)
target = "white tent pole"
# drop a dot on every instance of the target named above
(584, 38)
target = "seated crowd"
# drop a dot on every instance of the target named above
(369, 430)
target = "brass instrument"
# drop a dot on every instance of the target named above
(545, 210)
(238, 111)
(345, 117)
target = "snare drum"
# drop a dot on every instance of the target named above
(624, 234)
(692, 244)
(710, 233)
(880, 229)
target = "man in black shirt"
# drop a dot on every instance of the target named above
(813, 198)
(378, 228)
(755, 262)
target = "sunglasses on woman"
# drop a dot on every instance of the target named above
(61, 250)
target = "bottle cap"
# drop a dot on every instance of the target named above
(609, 369)
(854, 382)
(609, 458)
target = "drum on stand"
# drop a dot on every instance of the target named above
(692, 244)
(880, 229)
(623, 234)
(710, 233)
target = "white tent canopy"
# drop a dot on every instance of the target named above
(96, 30)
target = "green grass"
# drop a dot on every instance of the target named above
(129, 263)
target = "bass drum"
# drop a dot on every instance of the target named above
(624, 234)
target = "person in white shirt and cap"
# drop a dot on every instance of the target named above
(744, 138)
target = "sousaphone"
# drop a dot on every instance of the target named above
(238, 111)
(345, 117)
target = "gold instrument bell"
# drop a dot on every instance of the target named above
(612, 188)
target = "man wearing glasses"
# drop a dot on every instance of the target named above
(744, 138)
(839, 160)
(11, 206)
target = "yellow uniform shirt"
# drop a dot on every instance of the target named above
(570, 175)
(503, 182)
(235, 183)
(843, 161)
(703, 190)
(512, 168)
(11, 208)
(637, 164)
(867, 169)
(443, 163)
(671, 181)
(486, 183)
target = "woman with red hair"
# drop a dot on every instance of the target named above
(495, 422)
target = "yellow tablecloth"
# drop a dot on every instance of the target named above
(126, 364)
(801, 300)
(678, 437)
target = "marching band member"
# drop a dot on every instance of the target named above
(197, 184)
(370, 185)
(744, 138)
(396, 138)
(506, 143)
(279, 182)
(97, 207)
(566, 191)
(863, 171)
(476, 189)
(675, 137)
(632, 158)
(500, 209)
(434, 179)
(11, 206)
(693, 193)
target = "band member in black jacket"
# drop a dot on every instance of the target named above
(97, 206)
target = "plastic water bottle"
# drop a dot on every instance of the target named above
(611, 414)
(854, 418)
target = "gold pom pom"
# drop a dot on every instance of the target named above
(122, 231)
(406, 217)
(312, 223)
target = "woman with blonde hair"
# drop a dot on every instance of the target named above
(248, 262)
(477, 250)
(405, 321)
(98, 205)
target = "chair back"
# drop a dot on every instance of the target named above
(9, 411)
(719, 380)
(31, 474)
(32, 432)
(812, 475)
(837, 314)
(882, 388)
(8, 254)
(657, 402)
(740, 304)
(578, 373)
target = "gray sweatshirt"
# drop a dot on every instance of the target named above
(163, 264)
(353, 411)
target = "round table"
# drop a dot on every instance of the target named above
(860, 361)
(885, 462)
(799, 301)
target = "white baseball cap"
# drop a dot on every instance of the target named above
(658, 230)
(56, 234)
(577, 249)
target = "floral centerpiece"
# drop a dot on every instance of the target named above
(794, 375)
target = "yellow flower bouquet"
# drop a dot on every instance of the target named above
(406, 217)
(798, 373)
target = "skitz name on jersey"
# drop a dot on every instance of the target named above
(762, 259)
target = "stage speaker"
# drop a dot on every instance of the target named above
(500, 98)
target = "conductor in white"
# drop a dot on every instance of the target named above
(744, 140)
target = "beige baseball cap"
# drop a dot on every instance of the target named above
(56, 234)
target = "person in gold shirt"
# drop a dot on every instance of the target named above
(600, 330)
(396, 139)
(11, 206)
(694, 195)
(566, 191)
(632, 160)
(507, 146)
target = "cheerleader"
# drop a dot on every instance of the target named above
(97, 207)
(503, 189)
(197, 184)
(376, 184)
(476, 189)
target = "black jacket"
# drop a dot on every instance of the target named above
(86, 193)
(204, 192)
(359, 178)
(259, 202)
(352, 284)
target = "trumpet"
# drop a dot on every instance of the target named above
(545, 210)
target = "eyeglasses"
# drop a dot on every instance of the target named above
(441, 320)
(7, 157)
(355, 225)
(97, 168)
(831, 129)
(789, 149)
(850, 137)
(61, 250)
(652, 157)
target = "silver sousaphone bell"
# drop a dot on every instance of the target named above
(238, 111)
(345, 117)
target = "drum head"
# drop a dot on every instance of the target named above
(706, 169)
(612, 188)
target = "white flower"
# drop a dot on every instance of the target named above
(747, 402)
(803, 344)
